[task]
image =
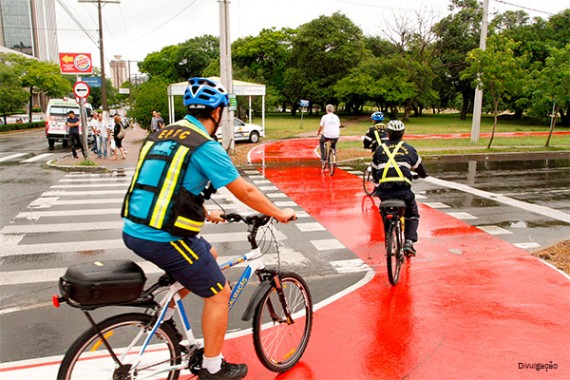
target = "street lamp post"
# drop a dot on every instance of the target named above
(226, 75)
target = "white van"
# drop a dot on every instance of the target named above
(56, 116)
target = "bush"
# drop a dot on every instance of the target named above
(17, 127)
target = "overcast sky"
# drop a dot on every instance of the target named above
(135, 28)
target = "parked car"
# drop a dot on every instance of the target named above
(56, 116)
(244, 131)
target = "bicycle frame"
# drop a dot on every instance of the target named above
(255, 263)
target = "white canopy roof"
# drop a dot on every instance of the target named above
(240, 89)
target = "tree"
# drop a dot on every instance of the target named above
(323, 52)
(553, 86)
(39, 76)
(262, 59)
(500, 73)
(179, 62)
(12, 96)
(458, 34)
(151, 96)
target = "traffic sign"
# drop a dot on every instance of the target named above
(92, 81)
(81, 90)
(75, 63)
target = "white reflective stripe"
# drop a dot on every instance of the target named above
(382, 166)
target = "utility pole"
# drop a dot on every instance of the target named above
(228, 142)
(102, 53)
(478, 102)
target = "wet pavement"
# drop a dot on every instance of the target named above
(471, 305)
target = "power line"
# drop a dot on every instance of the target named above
(528, 8)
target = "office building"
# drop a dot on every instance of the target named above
(119, 71)
(29, 27)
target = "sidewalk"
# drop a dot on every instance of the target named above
(131, 144)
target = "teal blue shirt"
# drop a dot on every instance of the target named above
(209, 163)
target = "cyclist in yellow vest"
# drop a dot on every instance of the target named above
(393, 163)
(163, 212)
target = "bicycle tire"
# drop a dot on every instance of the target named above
(368, 181)
(88, 358)
(279, 345)
(332, 162)
(393, 249)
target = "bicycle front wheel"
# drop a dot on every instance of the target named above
(368, 181)
(280, 342)
(89, 358)
(393, 252)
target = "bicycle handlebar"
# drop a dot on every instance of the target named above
(255, 220)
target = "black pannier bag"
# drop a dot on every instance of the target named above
(102, 283)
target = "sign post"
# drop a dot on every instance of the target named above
(82, 91)
(304, 104)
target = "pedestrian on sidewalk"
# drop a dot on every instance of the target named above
(156, 123)
(74, 137)
(118, 136)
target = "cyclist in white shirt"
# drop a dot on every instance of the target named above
(330, 129)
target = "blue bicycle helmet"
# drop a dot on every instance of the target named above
(203, 92)
(377, 116)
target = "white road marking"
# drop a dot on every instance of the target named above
(462, 215)
(350, 266)
(38, 157)
(435, 204)
(91, 185)
(82, 193)
(327, 244)
(35, 215)
(276, 195)
(528, 245)
(537, 209)
(12, 156)
(494, 230)
(310, 227)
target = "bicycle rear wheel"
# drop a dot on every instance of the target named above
(88, 357)
(368, 181)
(280, 343)
(393, 253)
(331, 162)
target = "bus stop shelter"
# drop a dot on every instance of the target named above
(240, 89)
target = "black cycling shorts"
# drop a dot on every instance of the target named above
(188, 260)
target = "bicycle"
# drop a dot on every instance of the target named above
(368, 182)
(329, 160)
(392, 211)
(144, 346)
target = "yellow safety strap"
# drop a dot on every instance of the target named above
(378, 139)
(188, 124)
(168, 187)
(392, 163)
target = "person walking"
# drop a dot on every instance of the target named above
(330, 129)
(118, 136)
(393, 163)
(156, 123)
(72, 124)
(163, 211)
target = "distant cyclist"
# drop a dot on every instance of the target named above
(376, 133)
(330, 129)
(393, 163)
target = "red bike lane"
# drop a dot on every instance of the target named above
(468, 306)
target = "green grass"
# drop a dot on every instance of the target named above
(282, 126)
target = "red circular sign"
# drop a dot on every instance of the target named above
(81, 90)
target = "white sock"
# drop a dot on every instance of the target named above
(169, 313)
(213, 364)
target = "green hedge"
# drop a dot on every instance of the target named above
(17, 127)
